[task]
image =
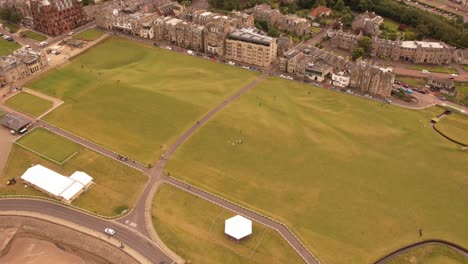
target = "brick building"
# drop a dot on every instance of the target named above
(55, 17)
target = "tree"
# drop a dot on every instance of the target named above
(261, 24)
(15, 18)
(339, 5)
(273, 32)
(5, 13)
(305, 4)
(358, 53)
(366, 44)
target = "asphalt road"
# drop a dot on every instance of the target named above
(137, 242)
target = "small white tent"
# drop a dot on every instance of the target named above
(238, 227)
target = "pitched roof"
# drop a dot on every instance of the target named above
(14, 121)
(320, 10)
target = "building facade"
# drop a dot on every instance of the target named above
(291, 23)
(22, 63)
(370, 78)
(55, 17)
(368, 23)
(412, 51)
(249, 47)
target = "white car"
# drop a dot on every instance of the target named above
(70, 33)
(425, 72)
(109, 231)
(454, 75)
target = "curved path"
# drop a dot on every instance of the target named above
(142, 212)
(443, 115)
(459, 249)
(143, 245)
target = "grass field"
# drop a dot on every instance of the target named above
(33, 35)
(9, 27)
(355, 179)
(465, 67)
(413, 82)
(7, 47)
(137, 103)
(391, 25)
(455, 126)
(430, 254)
(29, 104)
(462, 87)
(194, 229)
(88, 35)
(430, 68)
(39, 140)
(117, 186)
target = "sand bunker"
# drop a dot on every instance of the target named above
(27, 250)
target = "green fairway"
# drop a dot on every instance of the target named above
(430, 254)
(49, 145)
(354, 178)
(29, 104)
(454, 126)
(117, 186)
(430, 68)
(7, 47)
(33, 35)
(465, 68)
(139, 101)
(194, 229)
(88, 35)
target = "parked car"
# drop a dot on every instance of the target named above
(442, 98)
(70, 33)
(109, 231)
(388, 100)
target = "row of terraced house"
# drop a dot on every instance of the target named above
(231, 37)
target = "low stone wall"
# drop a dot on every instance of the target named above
(69, 240)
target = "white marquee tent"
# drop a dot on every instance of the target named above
(55, 184)
(238, 227)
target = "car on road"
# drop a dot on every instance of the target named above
(70, 33)
(442, 98)
(388, 100)
(454, 75)
(425, 72)
(109, 231)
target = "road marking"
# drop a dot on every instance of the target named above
(130, 223)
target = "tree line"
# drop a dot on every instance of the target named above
(451, 31)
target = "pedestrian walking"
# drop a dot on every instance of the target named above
(420, 232)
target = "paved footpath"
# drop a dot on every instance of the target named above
(91, 145)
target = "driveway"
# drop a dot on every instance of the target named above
(6, 141)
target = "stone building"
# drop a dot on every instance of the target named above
(22, 63)
(370, 78)
(266, 13)
(214, 36)
(246, 46)
(55, 17)
(242, 20)
(443, 85)
(312, 63)
(412, 51)
(343, 40)
(367, 22)
(291, 23)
